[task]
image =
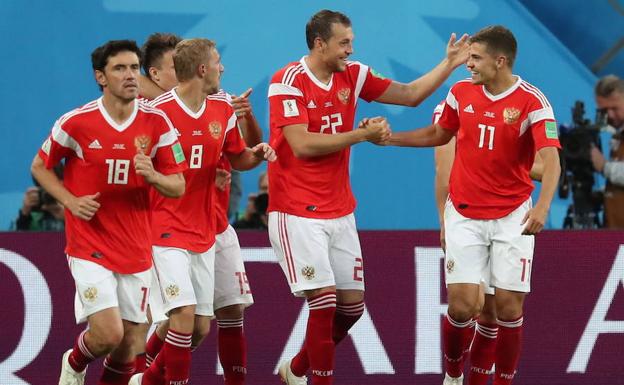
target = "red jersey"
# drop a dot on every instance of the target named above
(98, 156)
(222, 201)
(315, 187)
(497, 137)
(189, 222)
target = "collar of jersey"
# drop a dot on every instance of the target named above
(319, 83)
(119, 127)
(194, 115)
(502, 94)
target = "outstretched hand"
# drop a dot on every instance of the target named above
(457, 50)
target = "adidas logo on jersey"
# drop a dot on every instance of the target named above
(96, 145)
(469, 109)
(311, 104)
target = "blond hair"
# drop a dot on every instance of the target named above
(189, 54)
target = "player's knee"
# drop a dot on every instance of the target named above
(462, 310)
(110, 338)
(230, 312)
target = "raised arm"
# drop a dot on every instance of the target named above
(413, 93)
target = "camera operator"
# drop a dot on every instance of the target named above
(40, 211)
(255, 216)
(609, 94)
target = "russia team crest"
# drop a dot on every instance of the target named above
(343, 95)
(215, 129)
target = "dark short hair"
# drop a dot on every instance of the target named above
(156, 45)
(320, 25)
(100, 55)
(608, 85)
(498, 40)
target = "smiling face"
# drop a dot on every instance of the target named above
(337, 49)
(119, 78)
(483, 66)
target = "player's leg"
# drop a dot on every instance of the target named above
(466, 257)
(348, 265)
(483, 349)
(172, 364)
(301, 246)
(512, 257)
(132, 293)
(232, 296)
(96, 302)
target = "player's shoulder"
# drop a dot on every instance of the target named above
(161, 100)
(288, 74)
(464, 84)
(81, 112)
(221, 97)
(532, 94)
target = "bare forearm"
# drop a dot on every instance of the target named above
(244, 161)
(430, 136)
(50, 182)
(171, 186)
(252, 133)
(550, 181)
(316, 144)
(441, 193)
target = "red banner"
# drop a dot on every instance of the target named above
(574, 317)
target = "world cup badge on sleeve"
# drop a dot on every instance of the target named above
(215, 129)
(343, 95)
(511, 115)
(142, 143)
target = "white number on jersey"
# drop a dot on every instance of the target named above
(196, 156)
(118, 171)
(331, 121)
(490, 129)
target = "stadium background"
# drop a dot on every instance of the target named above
(47, 48)
(578, 281)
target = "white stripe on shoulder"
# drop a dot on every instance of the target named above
(361, 78)
(288, 74)
(291, 78)
(61, 137)
(283, 89)
(450, 100)
(164, 98)
(231, 123)
(92, 106)
(536, 92)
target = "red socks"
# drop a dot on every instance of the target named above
(116, 373)
(508, 350)
(482, 354)
(152, 348)
(80, 356)
(232, 350)
(456, 337)
(319, 343)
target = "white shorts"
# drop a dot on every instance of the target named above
(183, 278)
(98, 288)
(316, 253)
(476, 247)
(231, 283)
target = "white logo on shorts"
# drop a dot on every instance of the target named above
(308, 272)
(172, 291)
(91, 294)
(450, 266)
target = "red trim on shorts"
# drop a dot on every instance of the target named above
(283, 232)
